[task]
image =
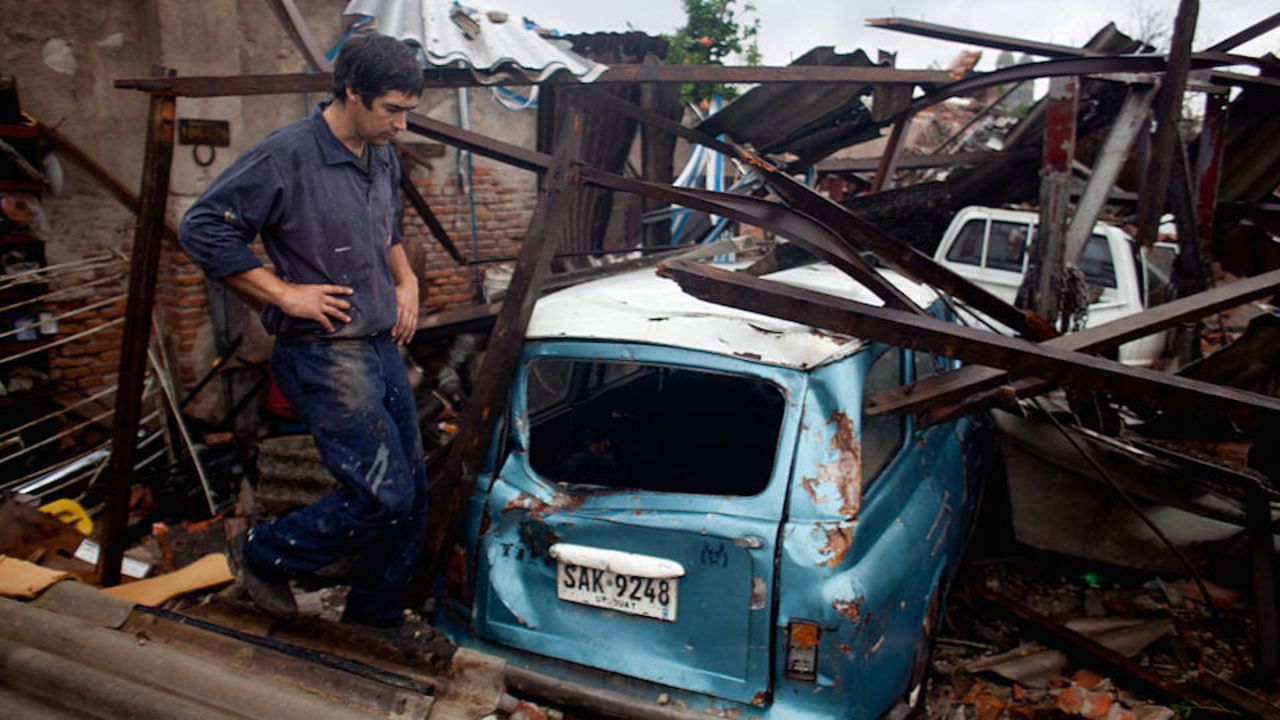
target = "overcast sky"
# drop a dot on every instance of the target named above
(788, 28)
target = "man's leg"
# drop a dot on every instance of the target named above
(339, 388)
(382, 577)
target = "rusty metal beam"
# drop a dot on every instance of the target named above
(429, 218)
(1255, 30)
(1128, 121)
(1167, 111)
(295, 26)
(973, 37)
(1059, 147)
(939, 390)
(1213, 139)
(888, 164)
(137, 332)
(1020, 357)
(487, 402)
(915, 162)
(612, 103)
(221, 85)
(898, 255)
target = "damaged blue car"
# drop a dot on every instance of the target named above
(687, 504)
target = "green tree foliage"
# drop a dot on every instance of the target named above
(714, 30)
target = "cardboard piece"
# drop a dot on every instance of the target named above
(208, 572)
(24, 580)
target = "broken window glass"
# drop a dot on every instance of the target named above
(1096, 263)
(637, 426)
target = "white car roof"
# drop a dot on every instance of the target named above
(642, 307)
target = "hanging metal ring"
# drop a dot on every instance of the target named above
(206, 162)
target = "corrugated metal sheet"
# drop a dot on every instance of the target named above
(491, 44)
(807, 119)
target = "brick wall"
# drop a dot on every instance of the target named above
(503, 210)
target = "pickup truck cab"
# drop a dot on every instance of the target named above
(685, 503)
(989, 246)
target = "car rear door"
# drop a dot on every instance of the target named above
(633, 525)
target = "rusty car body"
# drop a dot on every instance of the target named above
(686, 501)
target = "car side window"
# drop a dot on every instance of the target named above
(1007, 245)
(881, 434)
(967, 247)
(1096, 262)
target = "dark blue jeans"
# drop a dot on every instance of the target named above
(355, 396)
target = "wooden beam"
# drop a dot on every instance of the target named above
(295, 26)
(137, 333)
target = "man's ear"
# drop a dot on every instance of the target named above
(352, 95)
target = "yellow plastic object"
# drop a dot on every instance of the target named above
(70, 512)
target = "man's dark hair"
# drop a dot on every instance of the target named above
(373, 65)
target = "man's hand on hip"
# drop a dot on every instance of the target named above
(321, 303)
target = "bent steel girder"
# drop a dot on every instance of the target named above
(938, 390)
(1017, 356)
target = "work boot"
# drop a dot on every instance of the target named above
(273, 598)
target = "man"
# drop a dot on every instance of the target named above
(323, 194)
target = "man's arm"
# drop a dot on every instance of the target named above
(406, 295)
(310, 302)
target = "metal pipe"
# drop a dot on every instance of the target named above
(60, 411)
(80, 287)
(171, 395)
(61, 341)
(69, 313)
(43, 476)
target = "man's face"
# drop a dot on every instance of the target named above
(379, 124)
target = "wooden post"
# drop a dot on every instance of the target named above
(450, 491)
(137, 332)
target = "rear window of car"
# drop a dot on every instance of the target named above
(1007, 245)
(636, 426)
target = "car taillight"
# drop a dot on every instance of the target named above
(803, 637)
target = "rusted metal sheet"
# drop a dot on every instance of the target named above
(954, 386)
(137, 332)
(913, 162)
(1018, 356)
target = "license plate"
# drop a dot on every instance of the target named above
(650, 597)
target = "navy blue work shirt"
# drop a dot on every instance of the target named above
(323, 217)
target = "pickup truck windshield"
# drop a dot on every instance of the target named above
(651, 427)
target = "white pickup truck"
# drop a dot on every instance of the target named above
(989, 246)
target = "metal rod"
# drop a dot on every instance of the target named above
(61, 341)
(137, 330)
(171, 397)
(80, 287)
(60, 411)
(69, 313)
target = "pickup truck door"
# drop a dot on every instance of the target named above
(633, 524)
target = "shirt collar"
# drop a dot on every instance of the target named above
(332, 151)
